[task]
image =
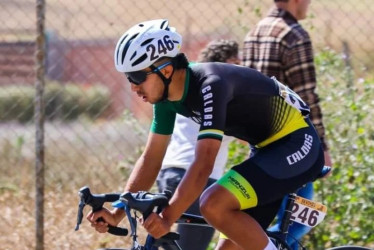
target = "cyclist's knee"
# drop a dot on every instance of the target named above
(206, 202)
(215, 201)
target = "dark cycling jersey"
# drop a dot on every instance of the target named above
(236, 101)
(241, 102)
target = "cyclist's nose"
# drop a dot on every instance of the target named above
(134, 87)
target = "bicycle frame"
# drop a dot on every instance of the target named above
(145, 203)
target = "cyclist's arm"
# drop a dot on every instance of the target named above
(195, 179)
(148, 165)
(141, 178)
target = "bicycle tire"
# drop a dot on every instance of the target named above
(349, 248)
(279, 243)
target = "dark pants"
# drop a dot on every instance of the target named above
(191, 237)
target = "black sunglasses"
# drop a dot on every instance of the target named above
(138, 77)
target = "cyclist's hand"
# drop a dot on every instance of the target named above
(156, 225)
(107, 218)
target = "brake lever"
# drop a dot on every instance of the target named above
(80, 214)
(97, 203)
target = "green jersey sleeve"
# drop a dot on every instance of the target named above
(163, 118)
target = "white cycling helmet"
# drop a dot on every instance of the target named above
(143, 44)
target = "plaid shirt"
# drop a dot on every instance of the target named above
(279, 46)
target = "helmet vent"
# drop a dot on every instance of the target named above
(133, 55)
(120, 43)
(146, 42)
(127, 47)
(139, 60)
(163, 24)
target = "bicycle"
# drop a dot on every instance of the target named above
(146, 203)
(142, 202)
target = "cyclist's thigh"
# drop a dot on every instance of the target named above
(264, 214)
(292, 155)
(266, 189)
(248, 184)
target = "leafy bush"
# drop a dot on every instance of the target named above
(349, 192)
(66, 102)
(74, 102)
(16, 103)
(98, 101)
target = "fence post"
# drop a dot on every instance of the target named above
(39, 124)
(348, 63)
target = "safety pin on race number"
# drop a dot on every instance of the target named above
(307, 212)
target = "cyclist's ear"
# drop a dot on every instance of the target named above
(167, 71)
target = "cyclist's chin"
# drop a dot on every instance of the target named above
(154, 101)
(151, 101)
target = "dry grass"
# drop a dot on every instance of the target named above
(94, 155)
(60, 217)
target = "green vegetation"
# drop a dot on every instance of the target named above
(62, 101)
(349, 192)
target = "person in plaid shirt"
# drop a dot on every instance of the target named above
(279, 46)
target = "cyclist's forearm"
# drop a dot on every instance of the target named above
(118, 215)
(187, 192)
(194, 180)
(142, 176)
(149, 163)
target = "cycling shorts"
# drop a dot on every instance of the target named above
(271, 172)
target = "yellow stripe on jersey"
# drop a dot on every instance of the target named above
(291, 122)
(210, 133)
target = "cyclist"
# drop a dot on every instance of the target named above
(224, 99)
(181, 152)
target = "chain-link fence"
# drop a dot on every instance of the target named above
(94, 126)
